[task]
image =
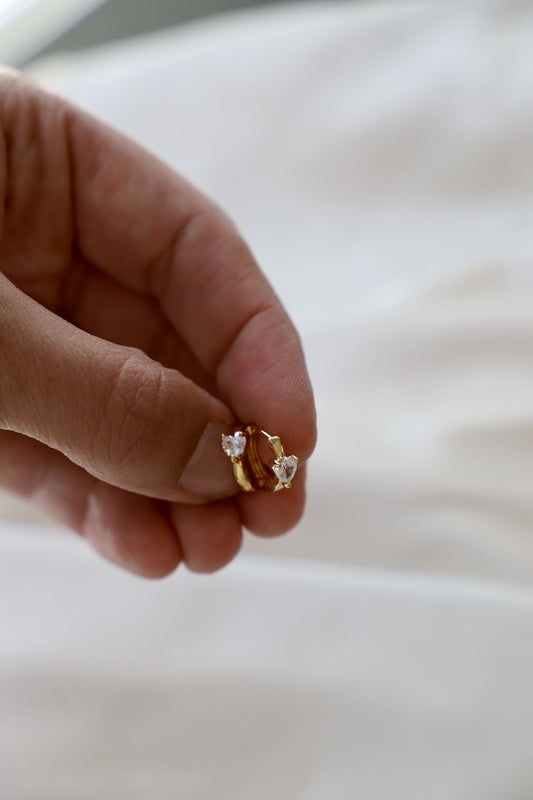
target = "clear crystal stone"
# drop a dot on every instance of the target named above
(233, 446)
(285, 468)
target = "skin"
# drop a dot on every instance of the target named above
(135, 326)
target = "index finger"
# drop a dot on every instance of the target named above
(144, 225)
(141, 223)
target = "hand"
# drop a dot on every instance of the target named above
(134, 326)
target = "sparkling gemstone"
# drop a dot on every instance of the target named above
(233, 446)
(285, 468)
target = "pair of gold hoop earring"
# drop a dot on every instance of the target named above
(249, 468)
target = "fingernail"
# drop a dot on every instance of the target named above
(209, 473)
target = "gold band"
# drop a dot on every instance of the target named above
(251, 473)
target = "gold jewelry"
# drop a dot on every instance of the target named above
(251, 473)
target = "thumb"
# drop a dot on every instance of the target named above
(122, 416)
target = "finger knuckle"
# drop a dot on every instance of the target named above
(133, 428)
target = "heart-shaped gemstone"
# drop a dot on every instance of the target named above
(285, 468)
(233, 446)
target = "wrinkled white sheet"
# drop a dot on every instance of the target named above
(271, 679)
(379, 159)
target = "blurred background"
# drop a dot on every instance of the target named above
(29, 28)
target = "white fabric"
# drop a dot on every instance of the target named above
(271, 679)
(379, 159)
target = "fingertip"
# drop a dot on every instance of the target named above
(269, 515)
(208, 474)
(157, 562)
(210, 535)
(298, 413)
(271, 387)
(131, 532)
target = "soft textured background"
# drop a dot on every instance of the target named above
(379, 159)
